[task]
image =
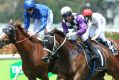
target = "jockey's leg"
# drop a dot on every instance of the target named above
(90, 48)
(110, 45)
(85, 39)
(107, 43)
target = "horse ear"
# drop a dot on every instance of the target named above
(17, 22)
(10, 21)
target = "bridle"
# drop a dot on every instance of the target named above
(13, 36)
(55, 47)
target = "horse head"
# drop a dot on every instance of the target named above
(8, 34)
(56, 41)
(73, 62)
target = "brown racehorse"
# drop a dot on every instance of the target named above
(116, 44)
(30, 51)
(72, 63)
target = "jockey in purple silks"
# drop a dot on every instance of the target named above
(75, 27)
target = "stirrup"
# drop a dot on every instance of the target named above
(114, 52)
(94, 55)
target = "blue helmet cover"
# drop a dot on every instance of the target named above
(29, 4)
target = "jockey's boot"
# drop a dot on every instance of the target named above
(111, 46)
(91, 49)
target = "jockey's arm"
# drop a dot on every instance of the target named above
(83, 27)
(26, 21)
(43, 24)
(98, 30)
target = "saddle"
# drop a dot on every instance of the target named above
(98, 63)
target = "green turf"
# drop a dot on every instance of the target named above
(5, 71)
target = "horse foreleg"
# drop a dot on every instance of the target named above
(28, 73)
(64, 77)
(77, 77)
(99, 76)
(44, 76)
(31, 78)
(60, 77)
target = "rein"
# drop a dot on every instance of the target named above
(23, 40)
(19, 40)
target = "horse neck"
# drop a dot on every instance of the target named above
(66, 48)
(23, 44)
(28, 49)
(69, 55)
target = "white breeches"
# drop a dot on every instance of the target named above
(91, 31)
(49, 26)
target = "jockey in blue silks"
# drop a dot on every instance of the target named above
(42, 15)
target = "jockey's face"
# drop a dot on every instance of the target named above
(67, 16)
(88, 18)
(30, 10)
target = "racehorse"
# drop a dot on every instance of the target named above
(72, 62)
(30, 51)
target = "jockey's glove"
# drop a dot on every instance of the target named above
(71, 34)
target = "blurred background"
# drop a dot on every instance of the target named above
(13, 9)
(109, 8)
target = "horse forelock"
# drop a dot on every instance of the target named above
(60, 33)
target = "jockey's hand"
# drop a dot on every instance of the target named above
(34, 34)
(94, 38)
(71, 34)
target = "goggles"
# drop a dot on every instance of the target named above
(68, 14)
(87, 18)
(29, 9)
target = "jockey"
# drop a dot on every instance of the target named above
(74, 26)
(96, 26)
(42, 15)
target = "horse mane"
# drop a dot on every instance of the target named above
(18, 25)
(60, 33)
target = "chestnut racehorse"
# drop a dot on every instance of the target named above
(30, 51)
(72, 62)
